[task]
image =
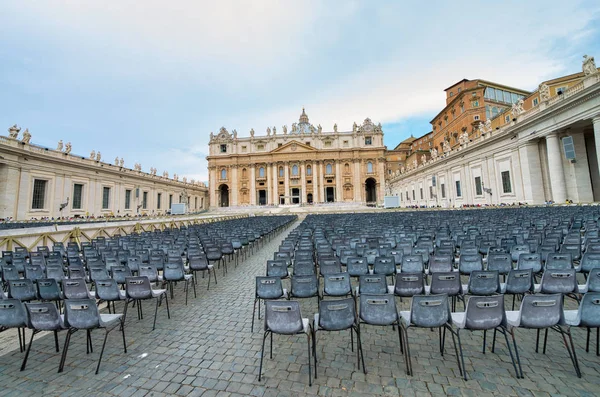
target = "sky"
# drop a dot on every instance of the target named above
(149, 81)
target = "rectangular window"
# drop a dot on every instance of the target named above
(77, 196)
(170, 200)
(158, 197)
(368, 140)
(244, 149)
(475, 104)
(279, 144)
(346, 144)
(506, 187)
(328, 144)
(307, 143)
(507, 97)
(535, 102)
(413, 194)
(478, 189)
(223, 148)
(458, 191)
(145, 200)
(260, 147)
(560, 90)
(421, 192)
(443, 189)
(507, 119)
(128, 199)
(514, 98)
(105, 198)
(430, 192)
(476, 117)
(39, 194)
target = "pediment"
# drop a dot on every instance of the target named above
(294, 147)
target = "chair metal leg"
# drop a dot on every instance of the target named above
(512, 333)
(512, 358)
(309, 368)
(194, 286)
(102, 351)
(587, 340)
(167, 302)
(123, 333)
(155, 314)
(462, 358)
(484, 340)
(28, 350)
(253, 313)
(89, 341)
(545, 340)
(21, 341)
(570, 349)
(407, 358)
(56, 340)
(61, 366)
(262, 354)
(271, 346)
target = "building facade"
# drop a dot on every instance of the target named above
(37, 182)
(543, 147)
(305, 165)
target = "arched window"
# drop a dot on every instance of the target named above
(369, 167)
(308, 170)
(223, 173)
(281, 172)
(243, 172)
(329, 169)
(295, 170)
(261, 172)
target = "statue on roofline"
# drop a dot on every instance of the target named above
(13, 132)
(59, 147)
(68, 148)
(26, 136)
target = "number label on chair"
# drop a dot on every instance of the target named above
(446, 278)
(483, 305)
(78, 307)
(336, 278)
(373, 279)
(267, 281)
(282, 308)
(560, 275)
(485, 276)
(136, 282)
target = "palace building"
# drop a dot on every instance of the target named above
(38, 182)
(493, 144)
(304, 165)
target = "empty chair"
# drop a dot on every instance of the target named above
(174, 273)
(304, 286)
(22, 289)
(530, 261)
(409, 284)
(108, 291)
(214, 254)
(589, 260)
(412, 264)
(500, 262)
(518, 282)
(98, 273)
(469, 263)
(82, 314)
(337, 284)
(338, 315)
(573, 249)
(558, 281)
(119, 273)
(372, 285)
(199, 263)
(542, 312)
(9, 273)
(133, 263)
(439, 263)
(446, 283)
(285, 318)
(49, 290)
(42, 317)
(431, 311)
(559, 261)
(329, 266)
(592, 282)
(587, 316)
(75, 271)
(13, 315)
(519, 249)
(484, 282)
(76, 289)
(483, 313)
(138, 289)
(303, 268)
(385, 266)
(277, 268)
(357, 267)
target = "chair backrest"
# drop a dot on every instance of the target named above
(174, 271)
(589, 310)
(440, 263)
(43, 316)
(562, 281)
(469, 263)
(22, 289)
(48, 289)
(430, 311)
(541, 311)
(76, 271)
(590, 260)
(304, 268)
(412, 263)
(138, 287)
(530, 261)
(81, 314)
(502, 262)
(559, 261)
(329, 266)
(337, 284)
(269, 287)
(384, 265)
(277, 267)
(98, 273)
(149, 271)
(484, 282)
(133, 262)
(357, 266)
(12, 313)
(372, 284)
(519, 281)
(34, 272)
(519, 249)
(378, 310)
(107, 290)
(337, 315)
(485, 312)
(118, 273)
(75, 289)
(447, 283)
(283, 317)
(409, 284)
(304, 286)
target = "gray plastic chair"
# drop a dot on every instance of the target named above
(120, 273)
(559, 261)
(484, 282)
(379, 310)
(469, 263)
(56, 272)
(412, 264)
(558, 282)
(375, 284)
(439, 263)
(305, 286)
(501, 262)
(173, 273)
(589, 261)
(518, 282)
(530, 261)
(337, 284)
(409, 284)
(76, 289)
(384, 265)
(82, 314)
(108, 291)
(431, 311)
(357, 267)
(542, 312)
(587, 316)
(13, 315)
(22, 289)
(48, 290)
(519, 249)
(483, 313)
(592, 282)
(138, 289)
(446, 283)
(34, 272)
(199, 263)
(267, 288)
(329, 266)
(338, 315)
(285, 318)
(42, 317)
(277, 268)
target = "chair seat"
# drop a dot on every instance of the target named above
(305, 326)
(572, 318)
(158, 292)
(405, 317)
(582, 288)
(513, 318)
(107, 320)
(537, 288)
(391, 289)
(459, 319)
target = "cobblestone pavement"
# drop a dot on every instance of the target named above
(207, 349)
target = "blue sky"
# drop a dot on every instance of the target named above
(149, 83)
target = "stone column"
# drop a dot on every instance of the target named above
(338, 182)
(381, 182)
(531, 173)
(358, 188)
(322, 182)
(302, 182)
(269, 184)
(274, 184)
(315, 181)
(555, 167)
(596, 123)
(212, 186)
(234, 201)
(252, 185)
(286, 182)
